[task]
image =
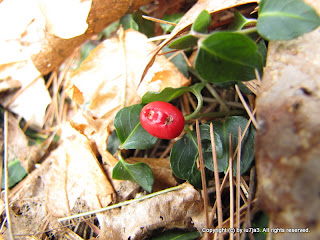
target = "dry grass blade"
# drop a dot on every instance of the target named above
(203, 178)
(6, 174)
(217, 181)
(254, 121)
(238, 184)
(22, 90)
(231, 236)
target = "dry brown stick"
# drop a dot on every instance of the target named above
(238, 184)
(231, 236)
(203, 178)
(217, 181)
(6, 174)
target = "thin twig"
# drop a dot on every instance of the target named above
(217, 181)
(238, 184)
(203, 178)
(21, 91)
(231, 188)
(254, 121)
(122, 203)
(6, 174)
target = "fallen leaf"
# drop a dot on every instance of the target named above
(65, 19)
(76, 173)
(18, 146)
(288, 141)
(32, 99)
(108, 78)
(178, 209)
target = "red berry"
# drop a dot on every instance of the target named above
(162, 120)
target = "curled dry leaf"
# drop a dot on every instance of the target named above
(178, 209)
(76, 173)
(288, 142)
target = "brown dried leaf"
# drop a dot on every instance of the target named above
(108, 79)
(76, 173)
(65, 19)
(18, 146)
(178, 209)
(288, 142)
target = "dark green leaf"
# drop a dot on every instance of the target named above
(261, 221)
(247, 150)
(130, 132)
(227, 56)
(128, 22)
(168, 94)
(183, 42)
(113, 143)
(284, 20)
(177, 235)
(139, 173)
(202, 22)
(16, 173)
(184, 154)
(174, 18)
(145, 26)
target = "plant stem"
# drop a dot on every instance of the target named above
(199, 106)
(247, 30)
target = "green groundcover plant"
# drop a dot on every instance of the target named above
(237, 54)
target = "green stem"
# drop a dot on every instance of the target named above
(199, 106)
(247, 30)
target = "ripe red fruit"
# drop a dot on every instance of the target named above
(162, 120)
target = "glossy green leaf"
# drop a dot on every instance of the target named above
(16, 173)
(173, 18)
(227, 56)
(184, 154)
(139, 173)
(284, 20)
(183, 42)
(177, 235)
(129, 130)
(201, 25)
(168, 94)
(223, 129)
(202, 22)
(240, 21)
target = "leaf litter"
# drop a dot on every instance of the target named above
(73, 179)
